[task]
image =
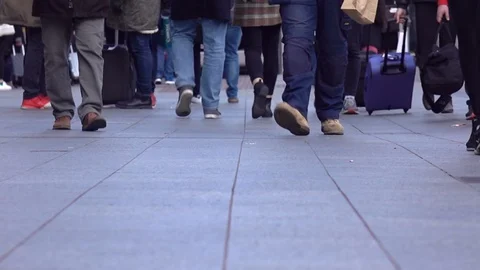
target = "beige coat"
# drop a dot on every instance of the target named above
(18, 12)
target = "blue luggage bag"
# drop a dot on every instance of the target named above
(389, 80)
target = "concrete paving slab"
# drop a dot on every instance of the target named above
(169, 191)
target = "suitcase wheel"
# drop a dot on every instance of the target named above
(370, 112)
(405, 110)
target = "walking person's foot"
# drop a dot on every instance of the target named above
(291, 119)
(197, 99)
(332, 127)
(211, 113)
(39, 102)
(137, 102)
(62, 123)
(448, 108)
(233, 100)
(260, 91)
(469, 115)
(184, 100)
(350, 105)
(268, 108)
(93, 122)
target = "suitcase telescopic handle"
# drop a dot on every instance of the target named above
(401, 66)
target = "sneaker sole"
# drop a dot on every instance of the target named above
(61, 128)
(28, 108)
(212, 116)
(333, 133)
(287, 120)
(350, 112)
(183, 106)
(95, 125)
(470, 149)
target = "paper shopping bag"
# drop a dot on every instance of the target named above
(361, 11)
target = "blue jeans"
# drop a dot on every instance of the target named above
(231, 70)
(165, 64)
(299, 22)
(140, 46)
(183, 35)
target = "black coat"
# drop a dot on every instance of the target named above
(209, 9)
(404, 3)
(71, 8)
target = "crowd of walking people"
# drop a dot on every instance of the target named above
(164, 39)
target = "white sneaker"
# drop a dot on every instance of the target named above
(170, 82)
(158, 81)
(5, 87)
(197, 99)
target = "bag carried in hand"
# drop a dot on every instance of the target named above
(361, 11)
(441, 73)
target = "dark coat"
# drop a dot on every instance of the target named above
(18, 12)
(404, 3)
(71, 8)
(135, 15)
(209, 9)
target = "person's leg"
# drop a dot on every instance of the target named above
(5, 41)
(253, 47)
(89, 38)
(160, 64)
(214, 33)
(354, 66)
(298, 26)
(169, 68)
(270, 47)
(34, 72)
(197, 66)
(231, 68)
(332, 46)
(56, 38)
(183, 35)
(465, 13)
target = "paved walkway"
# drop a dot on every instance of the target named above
(157, 192)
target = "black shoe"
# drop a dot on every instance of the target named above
(268, 110)
(137, 102)
(473, 141)
(260, 91)
(469, 115)
(476, 134)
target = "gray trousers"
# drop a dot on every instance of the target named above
(89, 34)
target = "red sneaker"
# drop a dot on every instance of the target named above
(46, 99)
(36, 103)
(154, 100)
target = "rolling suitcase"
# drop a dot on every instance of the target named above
(389, 80)
(118, 73)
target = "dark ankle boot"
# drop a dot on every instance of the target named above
(268, 109)
(474, 136)
(476, 131)
(260, 91)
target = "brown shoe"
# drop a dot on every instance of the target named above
(93, 122)
(62, 123)
(291, 119)
(332, 127)
(233, 100)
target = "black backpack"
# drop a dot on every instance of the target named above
(441, 72)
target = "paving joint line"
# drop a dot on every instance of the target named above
(4, 256)
(226, 247)
(382, 247)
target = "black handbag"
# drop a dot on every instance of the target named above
(441, 72)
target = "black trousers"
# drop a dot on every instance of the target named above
(262, 40)
(467, 15)
(427, 25)
(354, 62)
(34, 69)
